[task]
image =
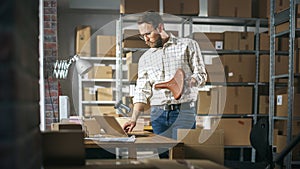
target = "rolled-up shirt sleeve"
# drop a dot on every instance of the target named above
(197, 64)
(143, 86)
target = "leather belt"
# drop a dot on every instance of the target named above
(186, 105)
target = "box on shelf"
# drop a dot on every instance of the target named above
(100, 72)
(138, 6)
(236, 131)
(89, 94)
(104, 94)
(238, 100)
(132, 72)
(259, 9)
(230, 8)
(181, 7)
(280, 5)
(215, 68)
(239, 68)
(133, 57)
(203, 144)
(209, 41)
(282, 143)
(282, 104)
(238, 40)
(263, 104)
(90, 111)
(83, 41)
(208, 102)
(106, 46)
(264, 38)
(134, 43)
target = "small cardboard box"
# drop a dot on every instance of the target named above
(100, 72)
(133, 57)
(238, 40)
(106, 46)
(238, 100)
(181, 7)
(89, 94)
(132, 72)
(263, 104)
(203, 144)
(98, 110)
(208, 102)
(104, 94)
(138, 6)
(239, 68)
(83, 41)
(236, 131)
(209, 41)
(282, 105)
(230, 8)
(91, 127)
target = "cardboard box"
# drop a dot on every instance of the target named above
(132, 72)
(264, 41)
(132, 43)
(263, 105)
(215, 69)
(282, 105)
(106, 46)
(230, 8)
(209, 41)
(208, 102)
(264, 68)
(259, 9)
(282, 143)
(138, 6)
(238, 100)
(100, 72)
(238, 40)
(104, 94)
(83, 41)
(91, 127)
(89, 94)
(90, 111)
(181, 7)
(236, 131)
(239, 68)
(133, 57)
(203, 144)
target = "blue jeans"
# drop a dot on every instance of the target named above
(166, 122)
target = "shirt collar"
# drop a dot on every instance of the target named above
(172, 40)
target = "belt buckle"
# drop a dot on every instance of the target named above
(167, 107)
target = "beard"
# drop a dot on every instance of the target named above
(156, 44)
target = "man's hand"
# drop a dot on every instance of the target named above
(192, 82)
(128, 126)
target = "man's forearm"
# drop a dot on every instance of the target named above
(138, 108)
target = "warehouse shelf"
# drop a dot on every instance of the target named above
(286, 16)
(98, 102)
(103, 80)
(230, 21)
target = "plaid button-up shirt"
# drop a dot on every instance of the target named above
(160, 64)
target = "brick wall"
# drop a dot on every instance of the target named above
(20, 136)
(50, 55)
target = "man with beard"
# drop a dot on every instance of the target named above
(166, 55)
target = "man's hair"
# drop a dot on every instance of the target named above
(150, 17)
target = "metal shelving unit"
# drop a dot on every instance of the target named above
(82, 82)
(241, 22)
(276, 19)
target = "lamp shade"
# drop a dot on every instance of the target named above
(82, 66)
